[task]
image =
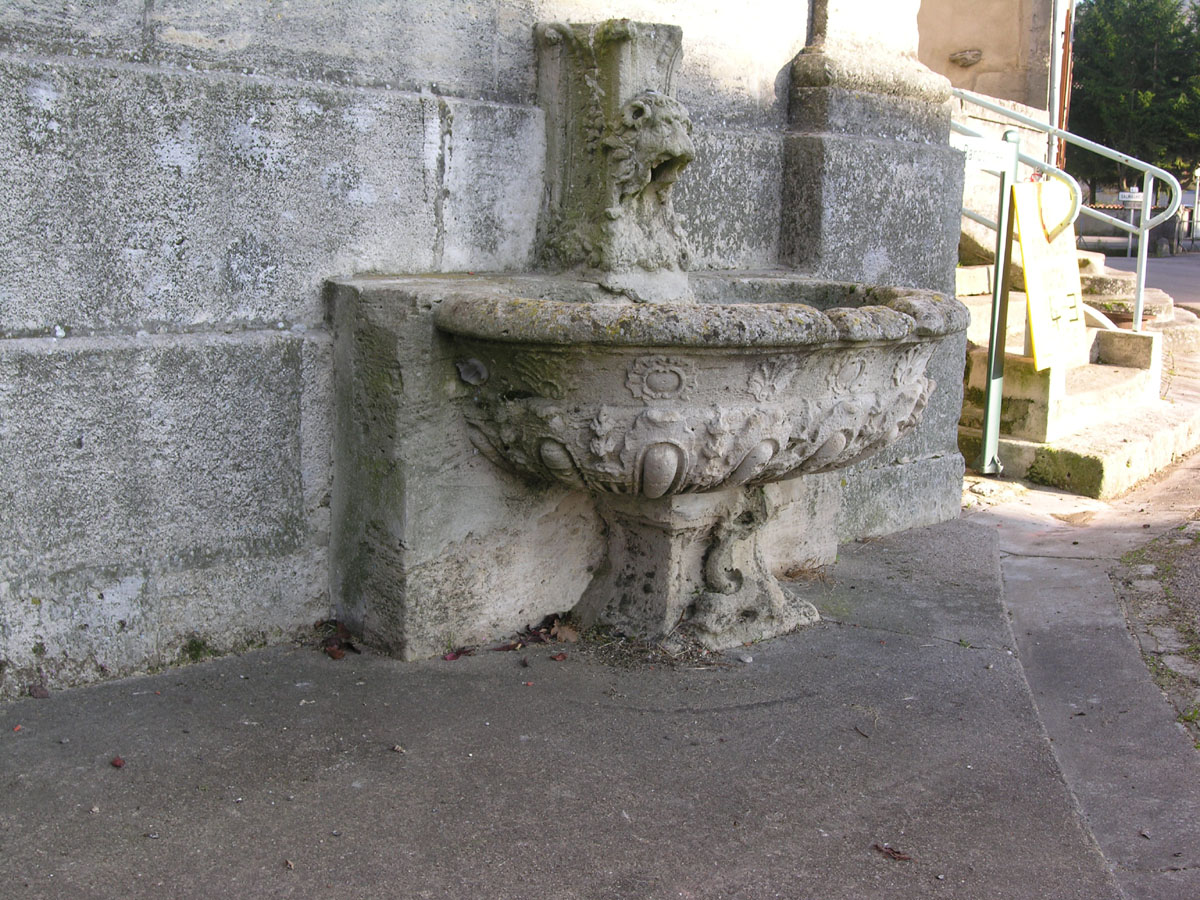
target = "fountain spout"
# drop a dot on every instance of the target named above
(616, 141)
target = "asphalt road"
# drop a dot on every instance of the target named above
(1178, 275)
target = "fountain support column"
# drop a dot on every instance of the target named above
(693, 558)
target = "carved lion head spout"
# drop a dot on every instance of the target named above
(648, 145)
(643, 252)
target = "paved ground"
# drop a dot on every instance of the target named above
(1131, 765)
(971, 720)
(1159, 589)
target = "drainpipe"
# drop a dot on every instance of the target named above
(1052, 85)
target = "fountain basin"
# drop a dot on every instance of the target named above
(664, 399)
(647, 409)
(673, 415)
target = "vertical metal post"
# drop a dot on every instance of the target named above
(1052, 105)
(989, 450)
(1143, 241)
(1195, 207)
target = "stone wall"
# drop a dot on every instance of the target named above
(180, 181)
(981, 190)
(1012, 40)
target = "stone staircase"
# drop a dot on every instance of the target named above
(1119, 408)
(1112, 292)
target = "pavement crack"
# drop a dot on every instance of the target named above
(701, 710)
(1008, 554)
(957, 642)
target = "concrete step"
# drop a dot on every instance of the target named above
(1159, 313)
(1047, 405)
(1091, 262)
(970, 281)
(1181, 335)
(1095, 278)
(1109, 284)
(1108, 430)
(1112, 453)
(979, 330)
(1157, 306)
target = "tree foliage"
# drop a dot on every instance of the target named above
(1136, 86)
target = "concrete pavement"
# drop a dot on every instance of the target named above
(1133, 769)
(970, 720)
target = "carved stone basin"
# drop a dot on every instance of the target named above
(643, 405)
(656, 399)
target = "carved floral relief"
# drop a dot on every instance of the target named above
(767, 430)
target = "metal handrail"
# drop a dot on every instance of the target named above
(1149, 173)
(1046, 169)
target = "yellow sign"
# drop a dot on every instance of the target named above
(1053, 294)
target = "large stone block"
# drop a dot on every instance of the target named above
(482, 49)
(802, 535)
(492, 160)
(404, 44)
(433, 545)
(884, 499)
(89, 26)
(879, 211)
(83, 625)
(241, 195)
(159, 488)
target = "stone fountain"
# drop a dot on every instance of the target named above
(615, 380)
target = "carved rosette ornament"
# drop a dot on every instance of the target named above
(659, 378)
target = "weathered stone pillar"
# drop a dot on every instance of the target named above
(872, 190)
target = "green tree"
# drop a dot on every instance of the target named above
(1136, 86)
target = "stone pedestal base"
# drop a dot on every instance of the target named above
(690, 562)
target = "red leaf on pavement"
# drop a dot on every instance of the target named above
(117, 762)
(892, 853)
(559, 657)
(564, 632)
